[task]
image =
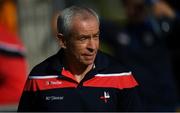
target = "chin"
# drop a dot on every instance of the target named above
(88, 62)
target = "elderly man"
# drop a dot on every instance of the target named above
(79, 77)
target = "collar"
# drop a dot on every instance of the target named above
(57, 64)
(100, 62)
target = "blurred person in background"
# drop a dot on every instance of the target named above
(13, 65)
(141, 44)
(173, 17)
(166, 12)
(79, 77)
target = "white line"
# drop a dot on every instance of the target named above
(114, 74)
(43, 77)
(11, 47)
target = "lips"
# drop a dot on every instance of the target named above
(89, 56)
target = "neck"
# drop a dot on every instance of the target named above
(81, 74)
(77, 69)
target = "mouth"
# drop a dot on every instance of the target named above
(89, 56)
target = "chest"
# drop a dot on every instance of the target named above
(78, 99)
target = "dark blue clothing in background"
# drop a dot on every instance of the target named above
(142, 47)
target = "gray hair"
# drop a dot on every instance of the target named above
(67, 15)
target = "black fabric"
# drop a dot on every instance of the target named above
(81, 98)
(11, 53)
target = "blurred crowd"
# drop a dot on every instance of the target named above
(146, 40)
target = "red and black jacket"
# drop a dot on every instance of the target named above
(107, 87)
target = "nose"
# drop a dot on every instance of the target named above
(91, 46)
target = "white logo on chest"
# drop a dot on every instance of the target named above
(54, 97)
(53, 82)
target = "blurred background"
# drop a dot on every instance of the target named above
(141, 34)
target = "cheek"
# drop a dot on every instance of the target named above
(97, 44)
(77, 50)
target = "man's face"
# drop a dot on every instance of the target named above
(83, 43)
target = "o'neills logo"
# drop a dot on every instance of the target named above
(53, 82)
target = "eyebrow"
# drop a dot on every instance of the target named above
(88, 35)
(96, 33)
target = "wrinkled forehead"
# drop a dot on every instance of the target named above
(85, 16)
(85, 26)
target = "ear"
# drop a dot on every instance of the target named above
(61, 40)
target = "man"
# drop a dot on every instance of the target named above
(79, 77)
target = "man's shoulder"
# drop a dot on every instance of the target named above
(112, 71)
(110, 63)
(45, 67)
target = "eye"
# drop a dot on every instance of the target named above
(96, 36)
(82, 38)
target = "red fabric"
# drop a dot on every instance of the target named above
(119, 82)
(9, 38)
(68, 74)
(45, 84)
(13, 71)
